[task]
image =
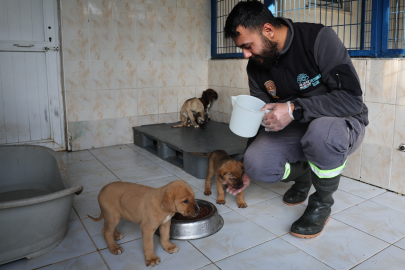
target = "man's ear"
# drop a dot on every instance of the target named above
(168, 203)
(268, 31)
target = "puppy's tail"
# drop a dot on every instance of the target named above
(97, 219)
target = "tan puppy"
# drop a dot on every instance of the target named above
(150, 207)
(227, 170)
(192, 113)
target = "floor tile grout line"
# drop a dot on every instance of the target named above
(354, 194)
(241, 250)
(244, 250)
(403, 238)
(268, 188)
(361, 231)
(102, 257)
(330, 265)
(370, 257)
(340, 211)
(370, 199)
(40, 267)
(355, 229)
(65, 236)
(91, 238)
(134, 166)
(305, 252)
(386, 190)
(388, 207)
(202, 254)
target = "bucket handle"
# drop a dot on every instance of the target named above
(233, 98)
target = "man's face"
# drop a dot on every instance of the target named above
(256, 46)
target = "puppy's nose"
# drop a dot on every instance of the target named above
(239, 185)
(197, 209)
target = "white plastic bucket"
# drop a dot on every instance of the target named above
(246, 115)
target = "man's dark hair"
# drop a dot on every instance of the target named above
(251, 15)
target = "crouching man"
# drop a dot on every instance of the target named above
(303, 73)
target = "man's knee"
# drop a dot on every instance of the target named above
(262, 168)
(327, 142)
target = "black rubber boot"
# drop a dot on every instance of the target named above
(317, 213)
(301, 174)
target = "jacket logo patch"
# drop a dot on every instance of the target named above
(304, 82)
(271, 88)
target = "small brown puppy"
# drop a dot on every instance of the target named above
(227, 170)
(147, 206)
(192, 113)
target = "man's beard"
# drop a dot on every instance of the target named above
(268, 55)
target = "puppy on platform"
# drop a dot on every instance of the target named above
(194, 111)
(229, 172)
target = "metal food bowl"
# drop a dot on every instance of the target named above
(199, 228)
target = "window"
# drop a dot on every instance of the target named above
(337, 4)
(373, 28)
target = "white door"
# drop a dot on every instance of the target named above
(31, 110)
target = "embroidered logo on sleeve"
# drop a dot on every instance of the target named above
(271, 88)
(304, 82)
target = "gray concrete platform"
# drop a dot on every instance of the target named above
(189, 148)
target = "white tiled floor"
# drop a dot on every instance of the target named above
(366, 231)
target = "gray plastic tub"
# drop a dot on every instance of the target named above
(35, 201)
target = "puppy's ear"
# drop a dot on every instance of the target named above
(221, 172)
(167, 202)
(240, 164)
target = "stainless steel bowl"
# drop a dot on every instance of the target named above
(194, 229)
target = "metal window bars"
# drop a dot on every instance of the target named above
(367, 27)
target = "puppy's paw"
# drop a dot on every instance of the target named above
(207, 192)
(152, 260)
(117, 250)
(242, 205)
(171, 248)
(220, 201)
(118, 236)
(196, 126)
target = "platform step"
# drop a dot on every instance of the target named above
(189, 148)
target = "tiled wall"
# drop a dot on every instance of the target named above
(130, 63)
(378, 161)
(228, 78)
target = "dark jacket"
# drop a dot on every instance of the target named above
(314, 69)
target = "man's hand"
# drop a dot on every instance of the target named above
(246, 182)
(279, 117)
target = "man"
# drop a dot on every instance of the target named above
(304, 74)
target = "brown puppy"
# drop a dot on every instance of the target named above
(147, 206)
(227, 170)
(192, 113)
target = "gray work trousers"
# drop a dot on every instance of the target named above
(326, 142)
